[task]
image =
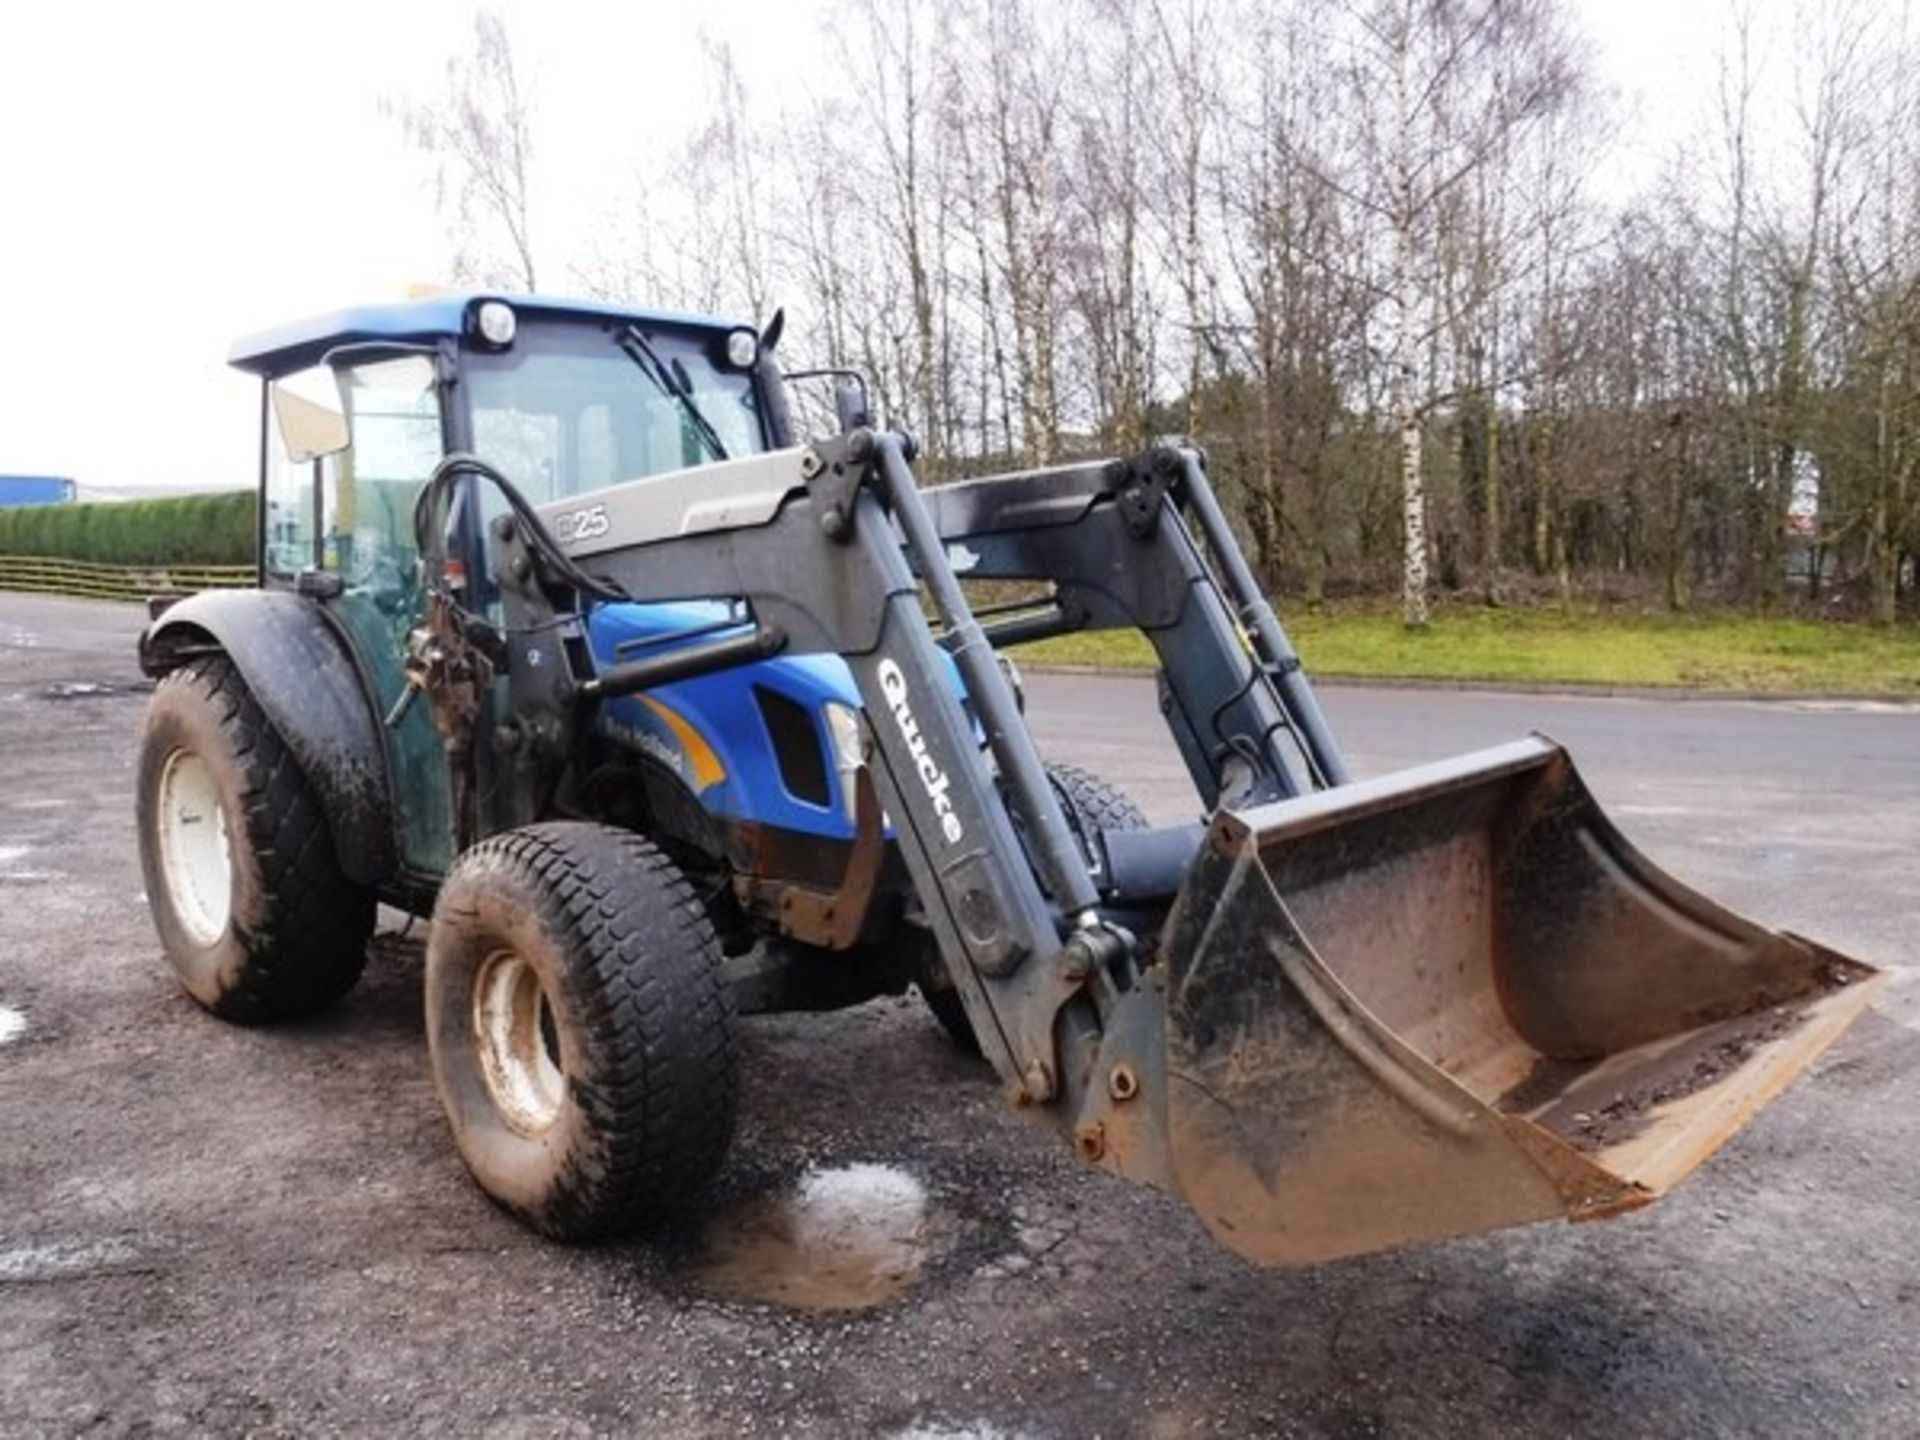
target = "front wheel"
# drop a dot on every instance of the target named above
(581, 1028)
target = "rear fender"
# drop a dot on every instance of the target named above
(302, 673)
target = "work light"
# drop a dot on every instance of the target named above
(495, 322)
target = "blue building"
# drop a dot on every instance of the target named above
(35, 490)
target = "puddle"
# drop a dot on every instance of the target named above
(10, 873)
(61, 1259)
(847, 1238)
(12, 1024)
(78, 689)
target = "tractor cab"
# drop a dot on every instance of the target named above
(360, 406)
(364, 403)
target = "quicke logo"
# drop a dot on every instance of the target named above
(893, 684)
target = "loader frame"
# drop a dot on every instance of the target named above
(1162, 1000)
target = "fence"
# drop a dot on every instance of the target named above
(49, 575)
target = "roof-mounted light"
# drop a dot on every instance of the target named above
(743, 348)
(495, 321)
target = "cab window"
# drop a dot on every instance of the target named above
(350, 511)
(567, 409)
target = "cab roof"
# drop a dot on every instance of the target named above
(287, 348)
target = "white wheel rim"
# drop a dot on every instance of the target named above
(196, 857)
(519, 1043)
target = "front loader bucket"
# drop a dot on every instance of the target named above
(1455, 999)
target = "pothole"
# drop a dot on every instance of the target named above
(847, 1238)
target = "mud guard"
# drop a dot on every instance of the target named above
(1452, 1000)
(302, 674)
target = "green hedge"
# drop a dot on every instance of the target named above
(177, 530)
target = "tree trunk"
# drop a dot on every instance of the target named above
(1493, 517)
(1406, 414)
(1413, 503)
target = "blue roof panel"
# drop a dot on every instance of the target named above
(295, 346)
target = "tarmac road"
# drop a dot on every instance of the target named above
(204, 1228)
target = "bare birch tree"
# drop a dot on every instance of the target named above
(479, 135)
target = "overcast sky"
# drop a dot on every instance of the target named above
(175, 175)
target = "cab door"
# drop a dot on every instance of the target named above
(346, 519)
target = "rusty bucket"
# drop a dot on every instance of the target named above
(1455, 999)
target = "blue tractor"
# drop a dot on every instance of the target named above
(566, 638)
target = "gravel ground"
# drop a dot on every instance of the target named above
(209, 1229)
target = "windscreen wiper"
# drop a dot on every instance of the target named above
(640, 350)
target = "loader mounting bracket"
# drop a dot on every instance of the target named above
(1141, 484)
(835, 470)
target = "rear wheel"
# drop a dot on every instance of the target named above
(1091, 804)
(255, 916)
(581, 1029)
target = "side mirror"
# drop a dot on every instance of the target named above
(311, 414)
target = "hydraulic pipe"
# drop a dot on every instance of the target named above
(760, 643)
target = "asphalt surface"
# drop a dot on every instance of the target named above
(210, 1229)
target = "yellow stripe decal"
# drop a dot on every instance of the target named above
(706, 766)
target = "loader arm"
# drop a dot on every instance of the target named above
(1376, 1013)
(1113, 539)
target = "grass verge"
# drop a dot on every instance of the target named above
(1712, 652)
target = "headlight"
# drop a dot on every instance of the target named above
(849, 751)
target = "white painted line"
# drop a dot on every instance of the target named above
(12, 1024)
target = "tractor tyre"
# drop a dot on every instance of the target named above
(253, 912)
(581, 1028)
(1091, 804)
(943, 1001)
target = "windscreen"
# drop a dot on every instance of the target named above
(571, 408)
